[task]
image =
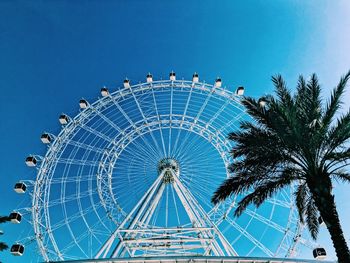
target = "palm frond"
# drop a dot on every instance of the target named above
(300, 199)
(239, 183)
(337, 135)
(342, 176)
(282, 91)
(312, 218)
(335, 101)
(262, 192)
(3, 246)
(314, 103)
(4, 219)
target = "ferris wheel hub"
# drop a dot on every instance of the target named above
(169, 167)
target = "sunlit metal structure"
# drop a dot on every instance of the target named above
(130, 176)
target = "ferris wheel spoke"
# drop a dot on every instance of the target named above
(71, 218)
(218, 113)
(256, 242)
(85, 146)
(145, 120)
(184, 141)
(95, 132)
(143, 150)
(108, 121)
(91, 232)
(280, 203)
(205, 103)
(159, 122)
(183, 118)
(70, 198)
(266, 221)
(74, 179)
(231, 122)
(76, 162)
(187, 147)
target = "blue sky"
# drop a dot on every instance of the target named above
(52, 53)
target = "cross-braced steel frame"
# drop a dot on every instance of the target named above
(158, 119)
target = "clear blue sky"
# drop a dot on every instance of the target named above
(52, 53)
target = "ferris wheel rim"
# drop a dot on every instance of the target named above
(77, 120)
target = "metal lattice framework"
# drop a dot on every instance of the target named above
(99, 192)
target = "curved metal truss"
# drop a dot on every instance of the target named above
(104, 160)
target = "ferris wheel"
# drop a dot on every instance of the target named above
(132, 174)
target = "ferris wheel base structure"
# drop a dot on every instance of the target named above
(197, 259)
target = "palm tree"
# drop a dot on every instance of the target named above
(3, 219)
(293, 138)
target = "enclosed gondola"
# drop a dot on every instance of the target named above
(83, 104)
(17, 250)
(218, 83)
(45, 138)
(149, 78)
(262, 102)
(31, 161)
(195, 77)
(126, 83)
(104, 92)
(20, 188)
(63, 119)
(172, 76)
(15, 217)
(240, 91)
(319, 253)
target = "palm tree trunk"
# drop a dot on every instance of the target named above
(325, 203)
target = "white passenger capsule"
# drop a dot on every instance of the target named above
(126, 83)
(83, 104)
(45, 138)
(195, 77)
(172, 76)
(15, 217)
(63, 119)
(104, 92)
(20, 188)
(149, 78)
(218, 83)
(262, 102)
(240, 91)
(31, 161)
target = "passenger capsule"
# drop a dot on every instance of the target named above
(17, 250)
(31, 161)
(20, 188)
(319, 253)
(104, 92)
(63, 119)
(262, 102)
(195, 77)
(149, 78)
(83, 104)
(172, 76)
(218, 83)
(126, 83)
(240, 91)
(15, 217)
(45, 138)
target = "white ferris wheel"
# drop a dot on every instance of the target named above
(131, 175)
